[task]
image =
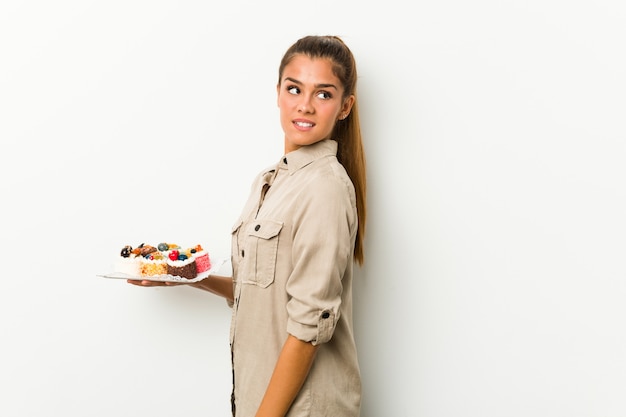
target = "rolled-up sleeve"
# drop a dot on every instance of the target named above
(323, 238)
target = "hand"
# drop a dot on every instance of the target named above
(146, 283)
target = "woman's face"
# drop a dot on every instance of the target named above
(310, 101)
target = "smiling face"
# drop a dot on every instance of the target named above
(310, 98)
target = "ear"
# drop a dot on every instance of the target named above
(346, 107)
(277, 93)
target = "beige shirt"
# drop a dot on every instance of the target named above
(292, 256)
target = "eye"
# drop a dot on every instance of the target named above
(324, 95)
(293, 90)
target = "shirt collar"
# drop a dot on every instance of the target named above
(303, 156)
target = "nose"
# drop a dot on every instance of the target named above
(305, 105)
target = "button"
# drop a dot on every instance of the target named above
(243, 253)
(285, 160)
(257, 227)
(325, 315)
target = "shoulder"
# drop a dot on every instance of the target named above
(327, 179)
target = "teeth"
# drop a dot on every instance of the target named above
(303, 124)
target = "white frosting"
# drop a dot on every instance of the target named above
(152, 261)
(129, 266)
(179, 263)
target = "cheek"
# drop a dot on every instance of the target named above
(285, 119)
(284, 101)
(332, 113)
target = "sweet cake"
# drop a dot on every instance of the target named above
(164, 259)
(128, 263)
(181, 264)
(153, 264)
(203, 262)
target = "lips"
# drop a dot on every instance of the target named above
(302, 124)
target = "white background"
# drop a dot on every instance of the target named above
(495, 276)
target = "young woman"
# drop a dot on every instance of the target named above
(294, 246)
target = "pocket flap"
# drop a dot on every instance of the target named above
(265, 229)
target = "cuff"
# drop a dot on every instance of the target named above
(321, 333)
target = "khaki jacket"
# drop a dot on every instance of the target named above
(292, 256)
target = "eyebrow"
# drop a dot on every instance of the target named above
(293, 80)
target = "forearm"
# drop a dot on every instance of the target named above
(291, 370)
(216, 284)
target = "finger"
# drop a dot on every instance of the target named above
(173, 284)
(144, 283)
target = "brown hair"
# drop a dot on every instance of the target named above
(347, 132)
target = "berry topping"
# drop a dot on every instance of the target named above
(126, 251)
(174, 255)
(163, 247)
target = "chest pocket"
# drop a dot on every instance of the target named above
(260, 251)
